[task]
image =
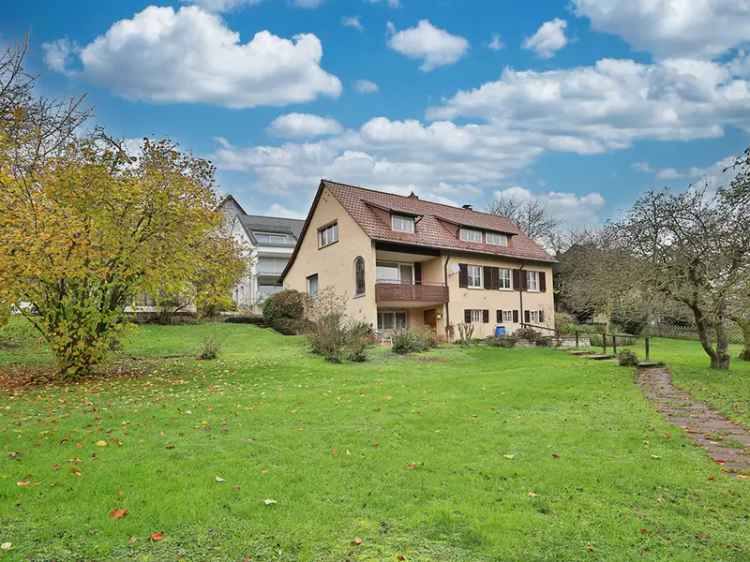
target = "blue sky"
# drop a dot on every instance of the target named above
(583, 104)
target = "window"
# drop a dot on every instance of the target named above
(469, 235)
(359, 276)
(328, 235)
(391, 320)
(312, 285)
(507, 316)
(476, 316)
(402, 223)
(496, 239)
(475, 276)
(505, 279)
(395, 273)
(270, 266)
(533, 316)
(532, 280)
(271, 238)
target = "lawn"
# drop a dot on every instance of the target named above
(453, 455)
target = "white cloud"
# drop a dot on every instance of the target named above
(548, 39)
(191, 56)
(496, 43)
(277, 210)
(669, 28)
(59, 54)
(609, 105)
(713, 176)
(220, 6)
(435, 47)
(366, 86)
(303, 125)
(573, 211)
(353, 22)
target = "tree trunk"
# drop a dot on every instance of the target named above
(705, 337)
(744, 324)
(722, 341)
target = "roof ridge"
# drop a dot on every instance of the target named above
(418, 199)
(275, 218)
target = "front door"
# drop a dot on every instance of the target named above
(430, 318)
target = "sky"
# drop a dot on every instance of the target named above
(582, 104)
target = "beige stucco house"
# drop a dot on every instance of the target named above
(402, 262)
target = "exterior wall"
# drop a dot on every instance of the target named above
(334, 264)
(504, 299)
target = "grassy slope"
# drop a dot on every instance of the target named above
(335, 446)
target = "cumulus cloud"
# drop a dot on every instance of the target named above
(672, 28)
(571, 210)
(190, 55)
(713, 176)
(548, 39)
(59, 54)
(496, 44)
(220, 6)
(353, 22)
(611, 104)
(303, 125)
(435, 47)
(366, 86)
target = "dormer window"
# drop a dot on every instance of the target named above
(402, 223)
(496, 239)
(470, 235)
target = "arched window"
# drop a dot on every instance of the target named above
(359, 275)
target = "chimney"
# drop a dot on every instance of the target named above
(413, 195)
(468, 207)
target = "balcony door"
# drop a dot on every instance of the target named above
(396, 273)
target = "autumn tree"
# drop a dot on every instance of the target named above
(531, 216)
(85, 225)
(694, 247)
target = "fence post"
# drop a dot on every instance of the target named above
(604, 342)
(614, 344)
(578, 338)
(648, 347)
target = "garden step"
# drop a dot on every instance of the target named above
(601, 357)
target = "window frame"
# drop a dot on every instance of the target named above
(478, 313)
(357, 293)
(502, 279)
(533, 317)
(323, 241)
(407, 220)
(535, 276)
(469, 277)
(285, 237)
(507, 316)
(501, 235)
(308, 280)
(393, 314)
(463, 230)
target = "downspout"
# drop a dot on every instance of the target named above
(447, 290)
(520, 294)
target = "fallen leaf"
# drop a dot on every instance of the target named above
(357, 541)
(23, 483)
(6, 546)
(156, 536)
(101, 443)
(269, 501)
(219, 479)
(14, 455)
(132, 540)
(118, 513)
(712, 478)
(533, 494)
(555, 456)
(169, 446)
(411, 466)
(743, 477)
(510, 457)
(401, 557)
(644, 531)
(655, 457)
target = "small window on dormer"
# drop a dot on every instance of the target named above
(470, 235)
(496, 239)
(402, 223)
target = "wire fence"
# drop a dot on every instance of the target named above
(687, 332)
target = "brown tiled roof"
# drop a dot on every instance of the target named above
(436, 225)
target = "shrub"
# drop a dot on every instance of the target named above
(544, 341)
(209, 349)
(291, 326)
(335, 339)
(565, 323)
(465, 334)
(408, 341)
(255, 319)
(503, 341)
(597, 340)
(529, 334)
(359, 339)
(627, 358)
(286, 304)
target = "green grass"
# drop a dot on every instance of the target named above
(454, 455)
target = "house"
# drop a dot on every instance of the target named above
(403, 262)
(270, 242)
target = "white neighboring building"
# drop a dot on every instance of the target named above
(271, 241)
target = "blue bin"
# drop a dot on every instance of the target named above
(499, 331)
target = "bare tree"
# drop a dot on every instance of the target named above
(694, 249)
(531, 216)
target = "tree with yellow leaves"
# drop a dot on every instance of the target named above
(86, 224)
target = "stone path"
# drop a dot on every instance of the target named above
(726, 442)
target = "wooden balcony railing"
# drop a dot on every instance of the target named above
(423, 292)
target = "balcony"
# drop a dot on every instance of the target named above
(402, 293)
